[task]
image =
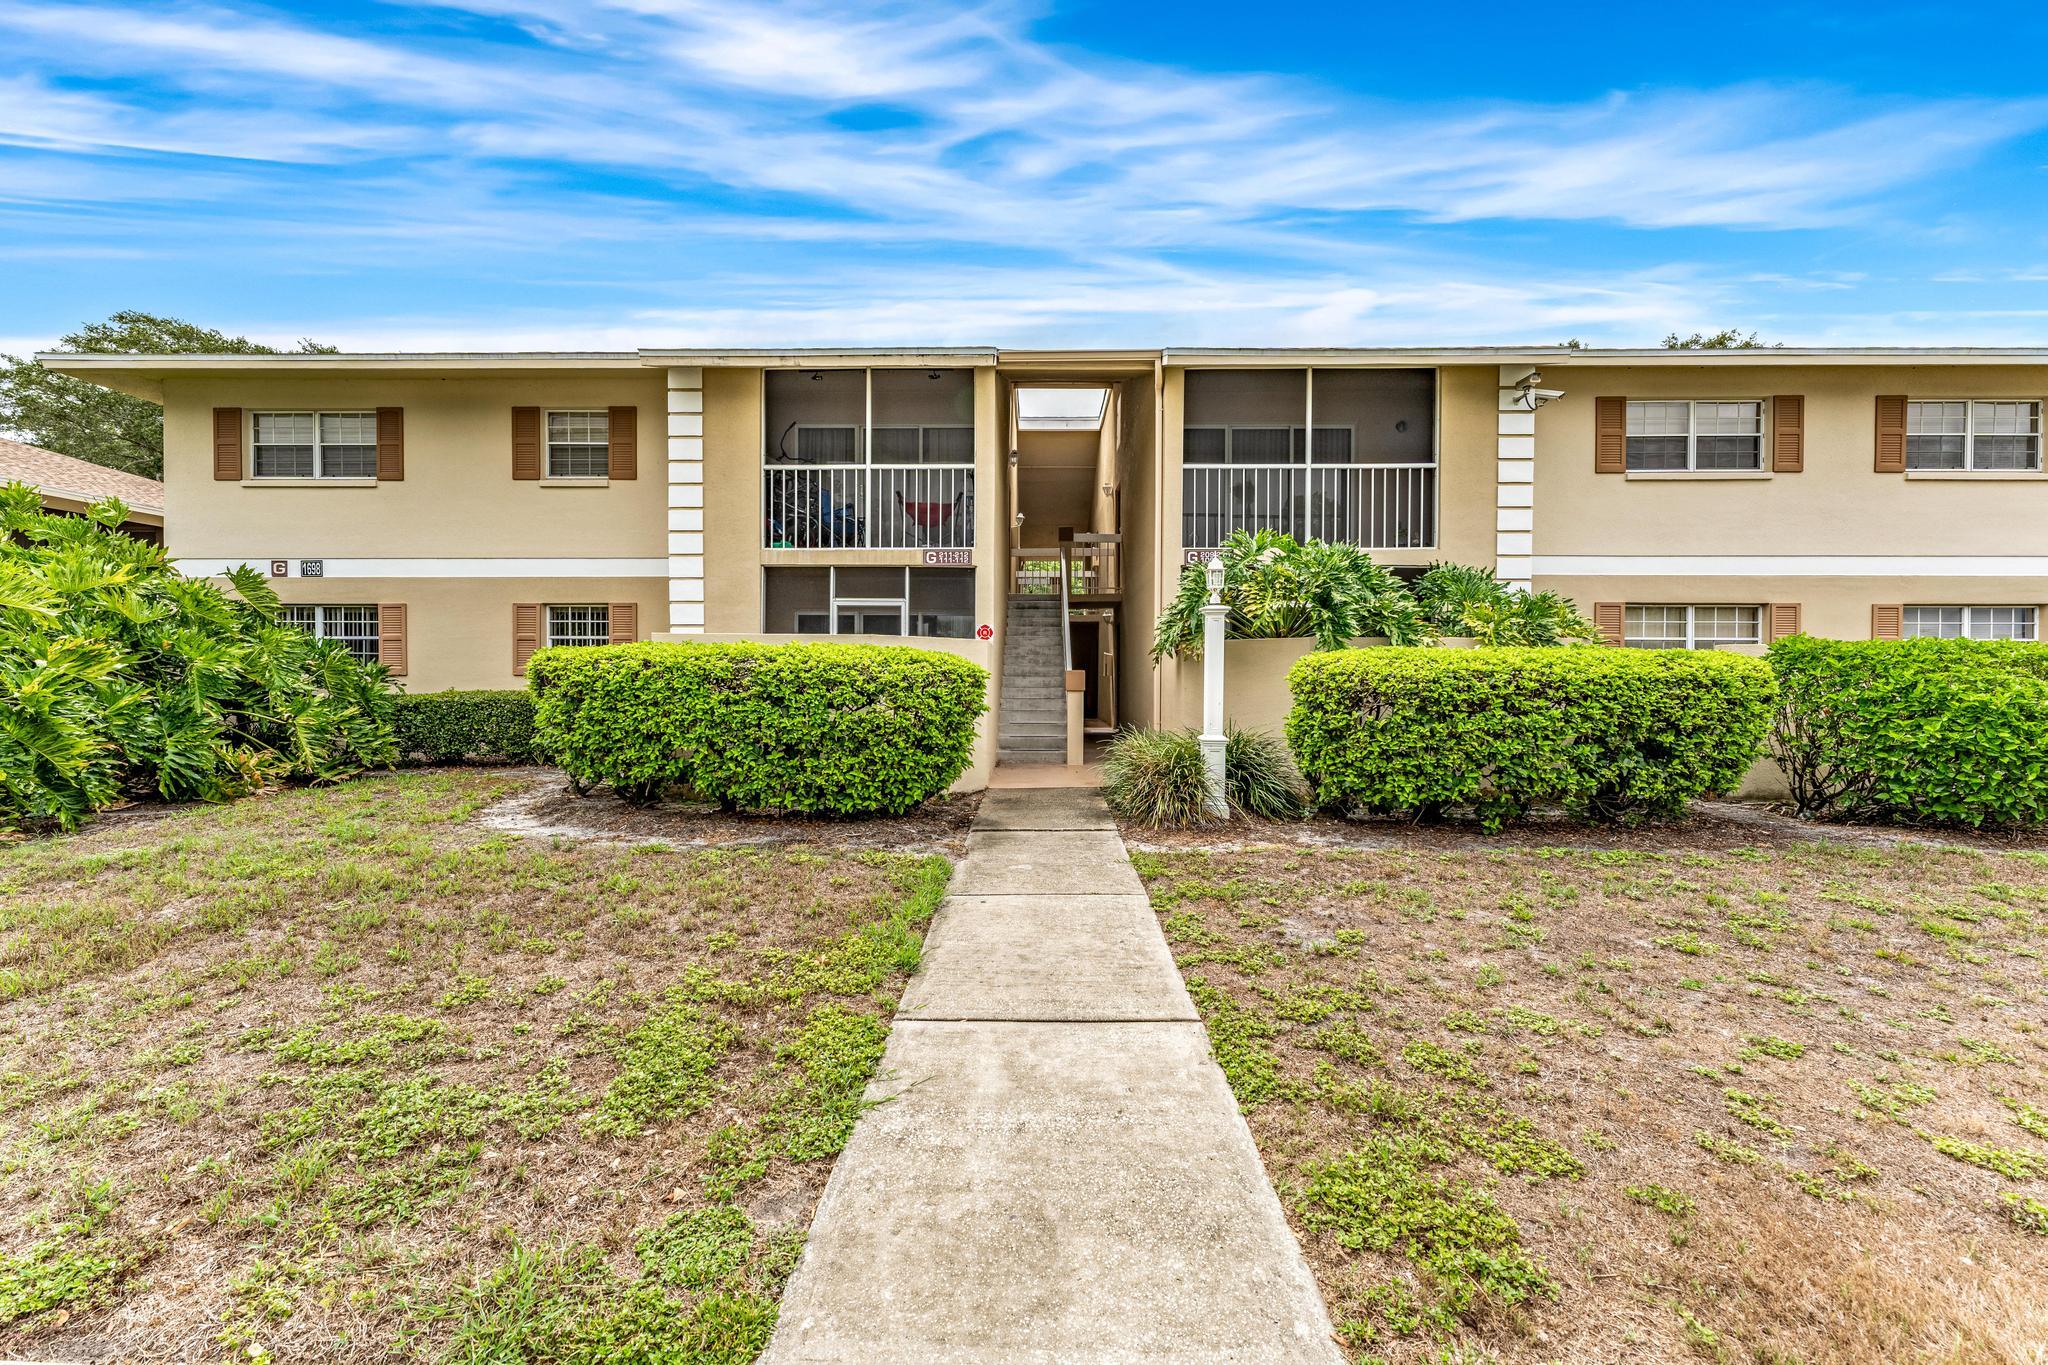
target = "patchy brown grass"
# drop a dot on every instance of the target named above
(347, 1075)
(1673, 1096)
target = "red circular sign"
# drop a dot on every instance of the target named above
(984, 632)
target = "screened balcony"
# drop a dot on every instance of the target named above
(1369, 478)
(868, 459)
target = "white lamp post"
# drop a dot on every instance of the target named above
(1213, 614)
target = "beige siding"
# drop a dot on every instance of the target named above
(458, 499)
(1836, 506)
(459, 630)
(1836, 607)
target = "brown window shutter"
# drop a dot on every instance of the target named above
(1788, 434)
(625, 622)
(525, 634)
(227, 443)
(1610, 435)
(1783, 621)
(1607, 620)
(391, 646)
(625, 443)
(1891, 437)
(525, 445)
(1887, 622)
(390, 445)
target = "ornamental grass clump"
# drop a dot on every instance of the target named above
(1157, 777)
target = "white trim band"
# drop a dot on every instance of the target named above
(1798, 566)
(654, 567)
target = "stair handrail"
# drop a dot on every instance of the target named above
(1066, 632)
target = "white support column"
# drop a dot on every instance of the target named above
(686, 500)
(1514, 500)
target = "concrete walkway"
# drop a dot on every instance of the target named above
(1059, 1173)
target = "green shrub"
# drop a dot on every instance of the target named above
(462, 727)
(118, 675)
(1947, 732)
(1611, 734)
(1157, 777)
(839, 729)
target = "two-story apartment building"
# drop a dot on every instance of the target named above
(451, 513)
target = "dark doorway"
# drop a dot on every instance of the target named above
(1087, 641)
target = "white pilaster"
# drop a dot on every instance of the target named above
(1514, 517)
(686, 500)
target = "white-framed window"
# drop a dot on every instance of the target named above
(1212, 445)
(1670, 626)
(579, 625)
(2000, 433)
(355, 627)
(1969, 623)
(313, 445)
(1691, 434)
(579, 445)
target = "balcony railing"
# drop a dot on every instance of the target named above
(1377, 506)
(868, 507)
(1091, 565)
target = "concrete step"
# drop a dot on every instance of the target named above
(1031, 755)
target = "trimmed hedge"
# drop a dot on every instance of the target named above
(462, 727)
(1611, 734)
(1943, 732)
(843, 729)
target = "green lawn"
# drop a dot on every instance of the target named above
(1778, 1102)
(344, 1074)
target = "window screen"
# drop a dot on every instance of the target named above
(579, 445)
(579, 625)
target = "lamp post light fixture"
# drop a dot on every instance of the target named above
(1213, 741)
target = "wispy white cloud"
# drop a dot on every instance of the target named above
(687, 128)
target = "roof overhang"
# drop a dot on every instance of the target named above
(144, 375)
(77, 500)
(824, 358)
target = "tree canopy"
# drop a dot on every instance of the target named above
(78, 418)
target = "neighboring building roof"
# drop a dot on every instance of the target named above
(75, 480)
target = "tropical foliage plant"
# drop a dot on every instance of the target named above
(1459, 600)
(120, 677)
(1278, 588)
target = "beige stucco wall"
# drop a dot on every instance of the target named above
(459, 630)
(1836, 506)
(1146, 578)
(458, 498)
(1838, 607)
(732, 499)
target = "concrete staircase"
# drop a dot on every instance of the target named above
(1032, 727)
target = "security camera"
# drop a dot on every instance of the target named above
(1533, 399)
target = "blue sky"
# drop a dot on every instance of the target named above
(563, 174)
